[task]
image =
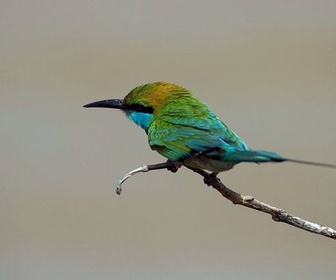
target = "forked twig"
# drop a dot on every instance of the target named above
(278, 215)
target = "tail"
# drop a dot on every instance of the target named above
(265, 156)
(321, 164)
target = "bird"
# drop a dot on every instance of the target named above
(186, 131)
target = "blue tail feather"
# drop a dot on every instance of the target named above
(253, 156)
(265, 156)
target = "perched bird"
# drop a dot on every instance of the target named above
(185, 130)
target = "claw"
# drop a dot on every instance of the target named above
(174, 165)
(209, 180)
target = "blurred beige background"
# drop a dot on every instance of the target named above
(267, 68)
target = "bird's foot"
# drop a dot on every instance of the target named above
(173, 166)
(210, 178)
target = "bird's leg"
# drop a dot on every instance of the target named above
(173, 166)
(209, 180)
(208, 177)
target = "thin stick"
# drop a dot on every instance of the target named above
(277, 214)
(170, 165)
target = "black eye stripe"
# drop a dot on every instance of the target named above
(140, 108)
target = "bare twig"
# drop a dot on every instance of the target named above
(170, 165)
(278, 215)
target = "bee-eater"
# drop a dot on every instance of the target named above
(185, 130)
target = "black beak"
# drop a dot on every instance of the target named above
(110, 103)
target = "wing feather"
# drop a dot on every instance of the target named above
(180, 137)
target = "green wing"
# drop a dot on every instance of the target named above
(179, 137)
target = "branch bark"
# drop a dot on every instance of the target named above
(277, 214)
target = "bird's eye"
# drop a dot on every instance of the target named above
(140, 108)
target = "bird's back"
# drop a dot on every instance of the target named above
(185, 127)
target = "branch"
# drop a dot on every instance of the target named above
(172, 166)
(211, 179)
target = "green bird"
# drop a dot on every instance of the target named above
(184, 130)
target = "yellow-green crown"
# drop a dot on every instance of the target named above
(155, 94)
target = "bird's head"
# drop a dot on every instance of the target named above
(144, 102)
